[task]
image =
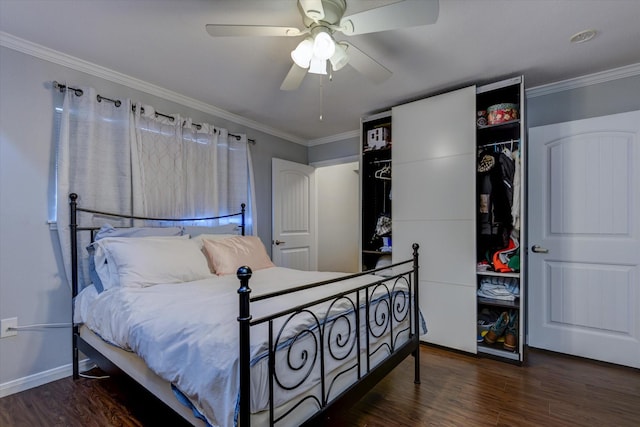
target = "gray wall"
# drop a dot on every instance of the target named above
(32, 286)
(335, 150)
(612, 97)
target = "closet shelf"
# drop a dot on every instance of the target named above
(499, 302)
(496, 274)
(376, 252)
(509, 124)
(497, 350)
(386, 149)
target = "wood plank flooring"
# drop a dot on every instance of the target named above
(456, 390)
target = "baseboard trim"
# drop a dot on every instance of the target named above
(40, 378)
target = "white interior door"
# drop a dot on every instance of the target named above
(584, 216)
(294, 215)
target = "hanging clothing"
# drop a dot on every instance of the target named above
(495, 194)
(515, 204)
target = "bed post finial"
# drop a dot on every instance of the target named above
(244, 319)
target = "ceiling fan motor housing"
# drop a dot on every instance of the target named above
(333, 13)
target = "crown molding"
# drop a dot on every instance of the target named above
(334, 138)
(21, 45)
(587, 80)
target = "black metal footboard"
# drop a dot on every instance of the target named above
(324, 354)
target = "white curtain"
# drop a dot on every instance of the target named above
(187, 170)
(94, 161)
(139, 162)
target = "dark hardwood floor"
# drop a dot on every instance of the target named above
(456, 390)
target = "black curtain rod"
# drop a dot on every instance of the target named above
(117, 103)
(62, 88)
(80, 92)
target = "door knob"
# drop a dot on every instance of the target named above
(539, 249)
(279, 242)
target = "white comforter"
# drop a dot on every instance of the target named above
(188, 333)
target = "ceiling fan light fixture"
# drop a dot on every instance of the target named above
(323, 45)
(318, 66)
(340, 57)
(303, 53)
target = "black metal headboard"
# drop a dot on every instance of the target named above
(75, 228)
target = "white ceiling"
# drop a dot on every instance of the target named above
(474, 41)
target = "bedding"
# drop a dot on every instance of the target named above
(182, 330)
(103, 276)
(197, 230)
(225, 256)
(98, 269)
(148, 261)
(147, 254)
(107, 230)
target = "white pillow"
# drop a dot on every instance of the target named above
(106, 268)
(147, 261)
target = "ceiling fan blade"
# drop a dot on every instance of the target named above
(404, 14)
(294, 78)
(220, 30)
(366, 65)
(313, 9)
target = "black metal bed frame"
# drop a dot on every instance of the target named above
(389, 306)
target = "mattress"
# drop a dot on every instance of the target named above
(183, 330)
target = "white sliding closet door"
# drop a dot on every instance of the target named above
(434, 189)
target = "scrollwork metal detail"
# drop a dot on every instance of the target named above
(339, 331)
(302, 351)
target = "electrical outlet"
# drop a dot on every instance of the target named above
(5, 324)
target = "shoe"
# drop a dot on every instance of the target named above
(497, 329)
(510, 339)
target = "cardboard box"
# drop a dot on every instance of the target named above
(377, 138)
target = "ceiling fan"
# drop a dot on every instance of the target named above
(322, 19)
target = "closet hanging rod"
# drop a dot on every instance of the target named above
(493, 144)
(79, 92)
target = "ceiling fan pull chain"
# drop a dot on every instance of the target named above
(321, 103)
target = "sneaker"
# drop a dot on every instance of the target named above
(510, 339)
(497, 329)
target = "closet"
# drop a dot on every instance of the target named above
(436, 203)
(500, 138)
(375, 191)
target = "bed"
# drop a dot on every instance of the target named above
(218, 333)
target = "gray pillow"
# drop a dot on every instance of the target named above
(220, 229)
